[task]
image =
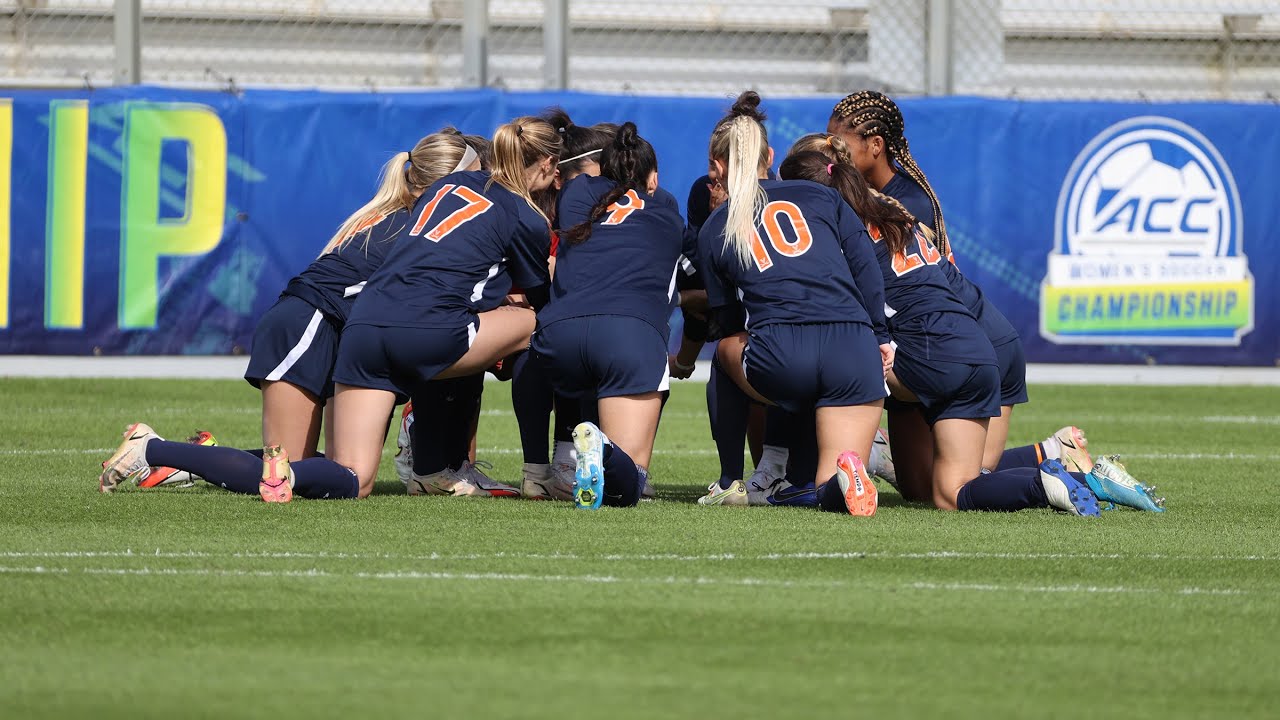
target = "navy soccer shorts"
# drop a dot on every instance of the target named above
(398, 359)
(949, 390)
(800, 367)
(294, 343)
(602, 356)
(1013, 372)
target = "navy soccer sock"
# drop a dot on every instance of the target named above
(622, 479)
(465, 398)
(323, 479)
(802, 429)
(235, 470)
(777, 424)
(568, 415)
(1004, 491)
(830, 499)
(532, 399)
(1027, 456)
(432, 415)
(727, 409)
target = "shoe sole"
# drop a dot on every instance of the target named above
(588, 480)
(1075, 452)
(278, 491)
(861, 498)
(1072, 496)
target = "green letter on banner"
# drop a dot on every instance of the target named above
(144, 235)
(64, 223)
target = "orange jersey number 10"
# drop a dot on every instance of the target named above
(476, 205)
(777, 236)
(619, 212)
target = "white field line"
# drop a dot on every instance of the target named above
(628, 557)
(618, 580)
(708, 452)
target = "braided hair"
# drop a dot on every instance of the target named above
(869, 114)
(876, 210)
(628, 160)
(741, 142)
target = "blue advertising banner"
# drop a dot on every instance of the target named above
(161, 221)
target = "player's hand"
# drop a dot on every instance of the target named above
(886, 357)
(678, 371)
(718, 195)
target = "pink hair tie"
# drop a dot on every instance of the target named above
(829, 168)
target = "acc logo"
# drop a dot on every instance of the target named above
(1147, 246)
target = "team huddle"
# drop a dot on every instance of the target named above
(551, 257)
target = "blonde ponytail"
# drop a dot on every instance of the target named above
(435, 156)
(517, 146)
(742, 144)
(746, 198)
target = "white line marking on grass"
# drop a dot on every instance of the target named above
(58, 451)
(619, 580)
(614, 557)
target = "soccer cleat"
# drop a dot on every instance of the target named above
(162, 476)
(130, 459)
(404, 445)
(277, 477)
(762, 483)
(1065, 492)
(1075, 449)
(786, 494)
(472, 472)
(1112, 483)
(646, 489)
(735, 495)
(881, 464)
(540, 483)
(588, 477)
(860, 494)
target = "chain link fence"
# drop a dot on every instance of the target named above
(1088, 49)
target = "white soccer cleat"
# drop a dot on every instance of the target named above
(454, 483)
(130, 459)
(762, 483)
(404, 445)
(1075, 449)
(540, 483)
(735, 495)
(881, 464)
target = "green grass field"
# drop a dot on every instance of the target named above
(199, 603)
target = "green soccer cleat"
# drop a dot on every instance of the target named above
(735, 494)
(1112, 483)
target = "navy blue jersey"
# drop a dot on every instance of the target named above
(916, 290)
(993, 322)
(332, 282)
(906, 191)
(627, 266)
(812, 262)
(465, 242)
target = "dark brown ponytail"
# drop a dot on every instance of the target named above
(628, 160)
(893, 222)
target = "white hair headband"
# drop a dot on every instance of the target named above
(468, 157)
(579, 157)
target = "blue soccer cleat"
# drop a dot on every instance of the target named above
(588, 478)
(789, 495)
(1065, 492)
(1111, 482)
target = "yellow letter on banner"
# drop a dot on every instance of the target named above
(64, 223)
(144, 236)
(6, 157)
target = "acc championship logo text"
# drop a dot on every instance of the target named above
(1147, 243)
